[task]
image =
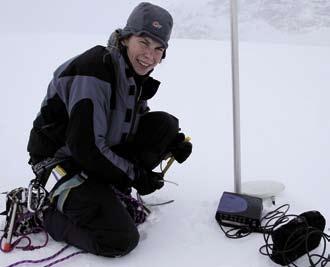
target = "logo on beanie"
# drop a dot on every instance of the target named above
(156, 24)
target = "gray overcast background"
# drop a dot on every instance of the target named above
(197, 19)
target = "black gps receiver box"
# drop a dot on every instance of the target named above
(238, 210)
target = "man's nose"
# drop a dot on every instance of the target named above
(149, 53)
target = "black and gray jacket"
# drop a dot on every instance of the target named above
(92, 104)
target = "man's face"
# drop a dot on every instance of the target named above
(144, 53)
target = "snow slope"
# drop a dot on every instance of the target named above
(285, 130)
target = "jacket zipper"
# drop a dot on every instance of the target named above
(137, 99)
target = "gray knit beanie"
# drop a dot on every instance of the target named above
(151, 20)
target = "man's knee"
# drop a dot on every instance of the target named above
(116, 244)
(132, 241)
(156, 131)
(158, 121)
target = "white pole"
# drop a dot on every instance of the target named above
(264, 189)
(236, 104)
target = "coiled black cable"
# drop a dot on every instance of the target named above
(272, 221)
(298, 238)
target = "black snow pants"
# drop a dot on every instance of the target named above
(93, 218)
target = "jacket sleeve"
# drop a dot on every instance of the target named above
(89, 115)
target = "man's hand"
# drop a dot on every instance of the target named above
(181, 149)
(147, 182)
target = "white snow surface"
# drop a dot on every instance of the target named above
(285, 126)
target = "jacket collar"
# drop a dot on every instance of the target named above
(149, 88)
(148, 84)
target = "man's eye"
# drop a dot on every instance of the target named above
(144, 43)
